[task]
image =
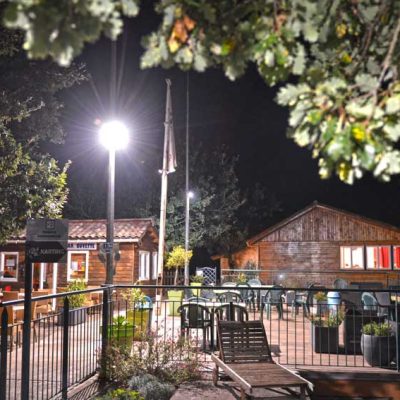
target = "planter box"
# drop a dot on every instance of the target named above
(76, 316)
(196, 292)
(140, 319)
(352, 325)
(378, 351)
(175, 300)
(123, 335)
(325, 339)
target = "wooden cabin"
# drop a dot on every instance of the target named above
(320, 244)
(138, 246)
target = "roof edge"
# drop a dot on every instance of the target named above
(313, 205)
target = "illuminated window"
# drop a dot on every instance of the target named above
(155, 265)
(144, 265)
(9, 267)
(378, 257)
(396, 257)
(351, 257)
(78, 265)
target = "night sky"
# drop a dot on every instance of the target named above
(241, 114)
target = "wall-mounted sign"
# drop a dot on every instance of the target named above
(82, 246)
(46, 240)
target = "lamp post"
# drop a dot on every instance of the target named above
(113, 136)
(189, 195)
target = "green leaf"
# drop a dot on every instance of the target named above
(393, 105)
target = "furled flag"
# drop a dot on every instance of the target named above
(169, 146)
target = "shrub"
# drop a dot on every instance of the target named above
(332, 320)
(169, 360)
(76, 300)
(133, 296)
(320, 296)
(121, 394)
(197, 278)
(377, 329)
(151, 388)
(241, 278)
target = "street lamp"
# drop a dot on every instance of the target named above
(189, 195)
(113, 135)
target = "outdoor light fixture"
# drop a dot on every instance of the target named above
(190, 195)
(113, 136)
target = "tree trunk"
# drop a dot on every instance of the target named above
(176, 276)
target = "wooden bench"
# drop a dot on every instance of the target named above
(245, 356)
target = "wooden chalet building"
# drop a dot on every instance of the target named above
(321, 243)
(138, 246)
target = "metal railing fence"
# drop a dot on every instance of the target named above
(305, 327)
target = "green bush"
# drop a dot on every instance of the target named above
(151, 388)
(197, 278)
(121, 394)
(330, 321)
(320, 296)
(173, 361)
(377, 329)
(76, 300)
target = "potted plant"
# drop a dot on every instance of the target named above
(77, 313)
(196, 280)
(241, 278)
(176, 259)
(325, 332)
(321, 300)
(121, 331)
(138, 310)
(378, 345)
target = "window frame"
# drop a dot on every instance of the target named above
(145, 277)
(9, 253)
(351, 267)
(154, 260)
(69, 264)
(395, 268)
(379, 267)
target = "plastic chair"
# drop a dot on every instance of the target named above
(274, 298)
(195, 316)
(369, 302)
(340, 284)
(291, 302)
(385, 306)
(196, 299)
(231, 312)
(247, 294)
(228, 297)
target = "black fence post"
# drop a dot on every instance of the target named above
(3, 354)
(104, 331)
(65, 360)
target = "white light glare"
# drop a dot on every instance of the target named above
(190, 195)
(114, 135)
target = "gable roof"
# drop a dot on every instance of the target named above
(128, 230)
(311, 207)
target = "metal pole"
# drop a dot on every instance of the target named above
(26, 333)
(3, 353)
(164, 187)
(187, 185)
(187, 239)
(110, 218)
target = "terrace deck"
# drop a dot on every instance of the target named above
(290, 340)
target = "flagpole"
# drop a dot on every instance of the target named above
(164, 183)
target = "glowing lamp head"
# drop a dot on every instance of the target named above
(114, 135)
(190, 195)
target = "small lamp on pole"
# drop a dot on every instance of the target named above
(113, 135)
